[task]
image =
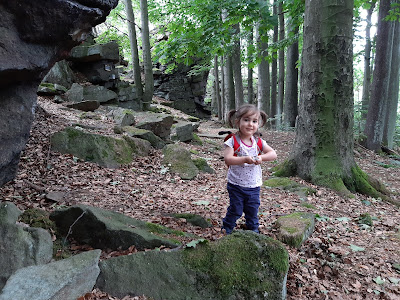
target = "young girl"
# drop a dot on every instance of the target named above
(244, 173)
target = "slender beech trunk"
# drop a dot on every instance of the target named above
(217, 89)
(237, 68)
(229, 84)
(323, 148)
(380, 84)
(291, 89)
(393, 95)
(367, 64)
(250, 90)
(148, 65)
(223, 97)
(263, 86)
(134, 50)
(281, 59)
(274, 70)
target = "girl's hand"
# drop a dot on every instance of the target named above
(248, 160)
(257, 160)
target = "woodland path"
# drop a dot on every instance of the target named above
(341, 260)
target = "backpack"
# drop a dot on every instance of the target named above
(236, 144)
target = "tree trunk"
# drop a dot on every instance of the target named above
(217, 89)
(263, 83)
(229, 85)
(393, 96)
(367, 64)
(237, 68)
(281, 79)
(291, 89)
(274, 69)
(380, 84)
(223, 97)
(323, 148)
(134, 50)
(250, 90)
(148, 65)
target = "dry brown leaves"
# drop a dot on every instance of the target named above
(342, 260)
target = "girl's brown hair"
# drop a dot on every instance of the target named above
(234, 116)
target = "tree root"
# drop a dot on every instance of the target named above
(358, 182)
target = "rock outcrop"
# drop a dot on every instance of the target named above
(35, 35)
(243, 265)
(20, 246)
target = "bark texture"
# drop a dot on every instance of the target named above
(291, 89)
(264, 87)
(134, 49)
(237, 68)
(380, 85)
(323, 149)
(148, 65)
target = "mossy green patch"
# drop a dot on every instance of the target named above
(308, 205)
(196, 140)
(286, 169)
(236, 264)
(35, 217)
(202, 165)
(294, 228)
(281, 182)
(194, 219)
(162, 230)
(365, 219)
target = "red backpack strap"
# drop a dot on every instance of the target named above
(236, 145)
(259, 146)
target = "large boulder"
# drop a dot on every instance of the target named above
(106, 151)
(243, 265)
(78, 93)
(109, 230)
(20, 246)
(159, 124)
(66, 279)
(179, 161)
(35, 35)
(144, 134)
(61, 73)
(96, 52)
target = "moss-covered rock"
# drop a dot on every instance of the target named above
(365, 219)
(243, 265)
(38, 218)
(106, 229)
(144, 134)
(179, 161)
(287, 184)
(295, 228)
(104, 150)
(203, 166)
(193, 219)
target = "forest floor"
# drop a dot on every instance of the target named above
(343, 259)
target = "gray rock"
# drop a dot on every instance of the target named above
(33, 39)
(203, 166)
(51, 89)
(20, 246)
(104, 150)
(66, 279)
(295, 228)
(178, 159)
(159, 124)
(9, 213)
(107, 229)
(60, 74)
(86, 105)
(144, 134)
(95, 52)
(243, 265)
(122, 117)
(182, 131)
(79, 93)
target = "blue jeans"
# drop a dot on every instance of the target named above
(242, 200)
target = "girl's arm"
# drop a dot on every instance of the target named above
(269, 154)
(230, 159)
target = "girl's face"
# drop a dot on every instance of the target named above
(248, 124)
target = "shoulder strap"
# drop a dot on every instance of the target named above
(259, 146)
(236, 145)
